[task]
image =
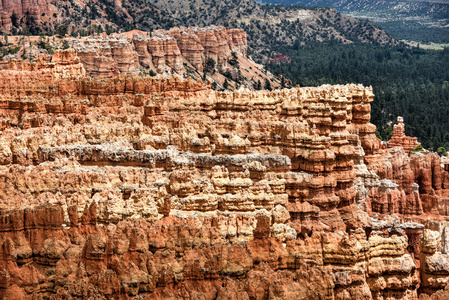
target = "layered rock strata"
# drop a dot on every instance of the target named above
(161, 188)
(214, 42)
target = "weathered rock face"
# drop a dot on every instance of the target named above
(216, 42)
(164, 53)
(107, 56)
(163, 188)
(189, 44)
(39, 10)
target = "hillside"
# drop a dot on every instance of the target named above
(417, 20)
(265, 25)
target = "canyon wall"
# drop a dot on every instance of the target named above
(161, 51)
(213, 53)
(163, 188)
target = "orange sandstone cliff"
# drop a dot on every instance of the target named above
(161, 51)
(162, 188)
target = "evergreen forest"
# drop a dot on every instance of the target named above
(412, 83)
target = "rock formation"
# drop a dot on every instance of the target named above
(62, 64)
(163, 188)
(399, 139)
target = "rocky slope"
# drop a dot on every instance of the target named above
(136, 187)
(266, 25)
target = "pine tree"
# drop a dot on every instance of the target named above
(268, 84)
(257, 85)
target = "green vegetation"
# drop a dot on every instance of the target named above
(416, 31)
(233, 61)
(422, 21)
(412, 83)
(8, 50)
(267, 85)
(226, 84)
(65, 45)
(147, 73)
(442, 151)
(62, 30)
(14, 19)
(257, 85)
(209, 66)
(42, 44)
(418, 148)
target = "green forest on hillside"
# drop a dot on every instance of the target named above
(418, 20)
(412, 83)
